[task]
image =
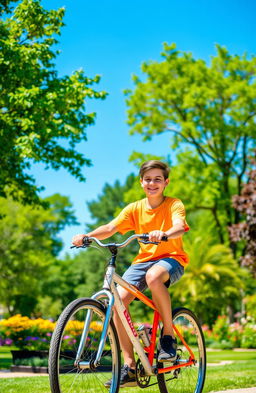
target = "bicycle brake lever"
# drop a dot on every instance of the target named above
(77, 247)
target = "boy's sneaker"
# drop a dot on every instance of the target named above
(127, 378)
(168, 347)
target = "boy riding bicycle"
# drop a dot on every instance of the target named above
(156, 266)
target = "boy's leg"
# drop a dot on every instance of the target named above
(155, 278)
(127, 377)
(124, 340)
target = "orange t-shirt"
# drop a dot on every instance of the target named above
(139, 218)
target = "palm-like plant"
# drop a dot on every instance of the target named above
(212, 280)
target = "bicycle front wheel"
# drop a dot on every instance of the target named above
(65, 375)
(188, 379)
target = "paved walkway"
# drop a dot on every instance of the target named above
(9, 374)
(245, 390)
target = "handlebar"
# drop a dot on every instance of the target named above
(143, 238)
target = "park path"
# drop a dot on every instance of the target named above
(9, 374)
(245, 390)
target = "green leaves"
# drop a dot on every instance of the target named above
(42, 116)
(29, 244)
(205, 106)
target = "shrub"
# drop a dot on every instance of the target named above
(248, 339)
(27, 333)
(221, 329)
(250, 304)
(235, 335)
(35, 334)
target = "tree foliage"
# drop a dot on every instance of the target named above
(211, 109)
(28, 247)
(43, 115)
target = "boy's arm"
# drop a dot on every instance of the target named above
(102, 232)
(175, 231)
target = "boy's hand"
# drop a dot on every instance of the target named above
(77, 240)
(156, 236)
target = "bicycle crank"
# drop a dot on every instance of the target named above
(142, 379)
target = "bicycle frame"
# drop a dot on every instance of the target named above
(146, 354)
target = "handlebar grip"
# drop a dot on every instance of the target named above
(86, 241)
(145, 237)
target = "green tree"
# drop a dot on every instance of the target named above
(28, 246)
(43, 116)
(211, 109)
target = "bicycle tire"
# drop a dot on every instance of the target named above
(64, 375)
(186, 379)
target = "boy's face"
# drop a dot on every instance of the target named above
(153, 182)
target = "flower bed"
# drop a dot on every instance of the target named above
(227, 336)
(25, 333)
(35, 334)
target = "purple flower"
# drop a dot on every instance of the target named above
(5, 341)
(48, 334)
(73, 341)
(8, 341)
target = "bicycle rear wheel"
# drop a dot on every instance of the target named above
(188, 379)
(64, 375)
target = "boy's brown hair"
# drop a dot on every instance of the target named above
(154, 164)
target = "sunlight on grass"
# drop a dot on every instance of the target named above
(241, 373)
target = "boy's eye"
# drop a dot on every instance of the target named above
(158, 180)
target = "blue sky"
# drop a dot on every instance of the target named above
(113, 38)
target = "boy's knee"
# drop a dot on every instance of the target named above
(151, 279)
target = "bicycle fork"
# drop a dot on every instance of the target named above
(93, 363)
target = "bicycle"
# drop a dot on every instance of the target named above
(85, 351)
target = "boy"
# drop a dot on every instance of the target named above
(156, 266)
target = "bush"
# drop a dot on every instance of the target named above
(25, 333)
(221, 345)
(221, 329)
(35, 334)
(248, 339)
(250, 304)
(228, 336)
(34, 362)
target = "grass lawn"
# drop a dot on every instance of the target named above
(5, 357)
(218, 356)
(241, 373)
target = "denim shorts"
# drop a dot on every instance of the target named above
(136, 273)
